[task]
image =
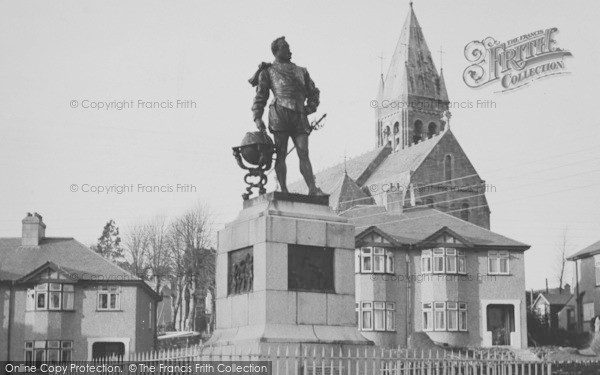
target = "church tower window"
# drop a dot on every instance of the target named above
(432, 129)
(448, 168)
(417, 131)
(464, 212)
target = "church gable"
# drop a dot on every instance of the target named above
(447, 180)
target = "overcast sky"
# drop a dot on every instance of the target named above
(538, 147)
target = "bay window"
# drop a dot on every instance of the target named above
(443, 260)
(444, 316)
(374, 260)
(48, 351)
(377, 316)
(50, 296)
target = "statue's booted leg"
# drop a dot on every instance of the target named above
(301, 143)
(281, 141)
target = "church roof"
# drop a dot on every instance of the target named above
(343, 181)
(329, 178)
(411, 70)
(404, 160)
(348, 194)
(593, 249)
(416, 225)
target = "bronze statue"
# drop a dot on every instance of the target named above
(295, 97)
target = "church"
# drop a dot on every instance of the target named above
(426, 260)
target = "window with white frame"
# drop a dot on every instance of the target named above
(451, 260)
(109, 298)
(452, 312)
(426, 261)
(444, 316)
(439, 313)
(48, 351)
(377, 316)
(438, 261)
(51, 296)
(443, 260)
(427, 316)
(498, 262)
(378, 260)
(462, 316)
(462, 262)
(374, 260)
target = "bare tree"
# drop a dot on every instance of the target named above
(561, 258)
(158, 257)
(193, 262)
(136, 249)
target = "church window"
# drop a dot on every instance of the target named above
(396, 128)
(464, 212)
(417, 131)
(448, 168)
(432, 129)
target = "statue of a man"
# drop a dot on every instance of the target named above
(295, 97)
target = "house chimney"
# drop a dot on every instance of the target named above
(34, 229)
(567, 288)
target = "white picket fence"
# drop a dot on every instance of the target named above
(322, 360)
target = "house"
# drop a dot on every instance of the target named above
(425, 270)
(426, 258)
(586, 282)
(61, 301)
(550, 305)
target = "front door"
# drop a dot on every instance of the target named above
(500, 322)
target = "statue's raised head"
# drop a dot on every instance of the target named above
(281, 49)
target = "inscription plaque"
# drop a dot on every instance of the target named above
(310, 268)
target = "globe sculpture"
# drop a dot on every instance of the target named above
(257, 151)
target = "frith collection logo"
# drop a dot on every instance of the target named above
(514, 63)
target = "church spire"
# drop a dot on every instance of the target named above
(412, 54)
(413, 80)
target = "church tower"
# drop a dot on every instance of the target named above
(412, 97)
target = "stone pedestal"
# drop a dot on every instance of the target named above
(285, 274)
